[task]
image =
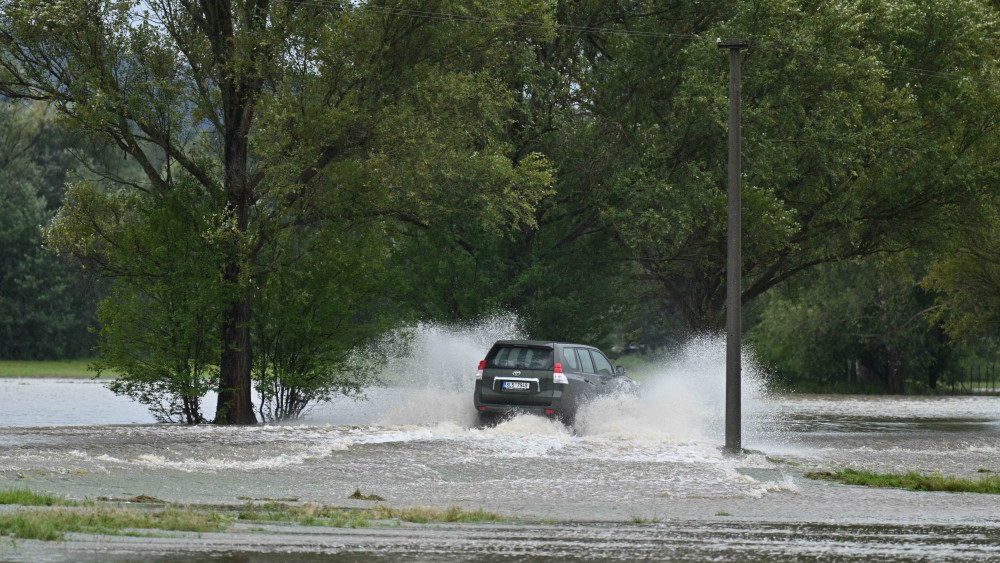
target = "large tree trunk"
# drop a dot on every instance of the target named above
(235, 404)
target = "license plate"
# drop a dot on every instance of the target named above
(516, 385)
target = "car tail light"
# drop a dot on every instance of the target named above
(557, 375)
(550, 411)
(479, 372)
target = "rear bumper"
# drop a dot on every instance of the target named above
(559, 405)
(501, 410)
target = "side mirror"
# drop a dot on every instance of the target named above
(620, 371)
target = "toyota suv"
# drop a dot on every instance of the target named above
(546, 378)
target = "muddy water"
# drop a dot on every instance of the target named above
(653, 457)
(623, 460)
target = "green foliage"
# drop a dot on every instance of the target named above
(853, 323)
(313, 313)
(967, 272)
(845, 152)
(282, 149)
(912, 481)
(303, 179)
(46, 305)
(159, 325)
(561, 270)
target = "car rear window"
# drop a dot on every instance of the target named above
(519, 357)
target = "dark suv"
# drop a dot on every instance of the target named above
(546, 378)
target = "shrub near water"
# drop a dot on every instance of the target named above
(913, 481)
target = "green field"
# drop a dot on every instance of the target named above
(46, 368)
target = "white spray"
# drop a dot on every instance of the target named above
(684, 400)
(681, 402)
(437, 368)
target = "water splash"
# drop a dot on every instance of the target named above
(681, 403)
(437, 363)
(684, 400)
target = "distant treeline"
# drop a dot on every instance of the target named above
(243, 197)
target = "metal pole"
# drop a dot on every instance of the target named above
(734, 259)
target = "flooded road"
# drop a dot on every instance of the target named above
(622, 465)
(686, 540)
(620, 462)
(637, 477)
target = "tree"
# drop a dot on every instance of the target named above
(563, 272)
(46, 305)
(286, 115)
(967, 274)
(854, 322)
(848, 152)
(314, 314)
(158, 327)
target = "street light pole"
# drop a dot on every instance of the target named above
(734, 259)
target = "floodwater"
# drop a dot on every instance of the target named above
(636, 478)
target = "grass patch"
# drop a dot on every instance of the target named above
(912, 481)
(311, 515)
(358, 496)
(306, 515)
(641, 520)
(722, 513)
(778, 460)
(45, 368)
(26, 497)
(139, 499)
(426, 514)
(54, 524)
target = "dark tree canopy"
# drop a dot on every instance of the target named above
(294, 178)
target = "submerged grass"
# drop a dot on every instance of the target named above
(358, 495)
(641, 520)
(26, 497)
(311, 515)
(426, 514)
(912, 481)
(140, 499)
(307, 515)
(69, 516)
(54, 524)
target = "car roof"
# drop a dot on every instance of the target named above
(538, 343)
